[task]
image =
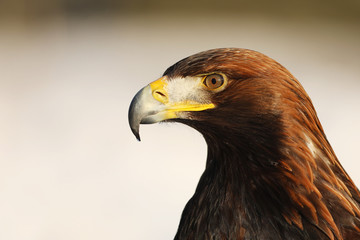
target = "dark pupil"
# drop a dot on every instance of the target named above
(213, 81)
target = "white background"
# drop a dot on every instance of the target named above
(70, 167)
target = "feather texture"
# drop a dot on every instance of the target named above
(270, 172)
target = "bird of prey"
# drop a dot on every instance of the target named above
(271, 173)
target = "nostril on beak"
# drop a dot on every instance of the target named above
(160, 96)
(160, 93)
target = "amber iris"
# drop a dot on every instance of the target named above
(214, 81)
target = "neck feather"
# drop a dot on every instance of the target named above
(268, 181)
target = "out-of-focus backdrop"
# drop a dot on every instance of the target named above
(70, 167)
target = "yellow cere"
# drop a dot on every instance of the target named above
(158, 89)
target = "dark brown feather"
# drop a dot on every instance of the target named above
(270, 173)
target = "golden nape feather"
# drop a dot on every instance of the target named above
(270, 171)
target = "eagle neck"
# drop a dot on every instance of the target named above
(232, 193)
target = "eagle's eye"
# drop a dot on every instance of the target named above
(213, 81)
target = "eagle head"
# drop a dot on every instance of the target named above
(226, 90)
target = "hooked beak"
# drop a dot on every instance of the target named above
(147, 107)
(151, 105)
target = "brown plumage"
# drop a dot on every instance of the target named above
(270, 172)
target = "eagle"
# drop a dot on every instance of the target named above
(270, 173)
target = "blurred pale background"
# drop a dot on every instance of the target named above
(69, 165)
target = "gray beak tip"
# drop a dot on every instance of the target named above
(143, 110)
(135, 114)
(134, 122)
(136, 133)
